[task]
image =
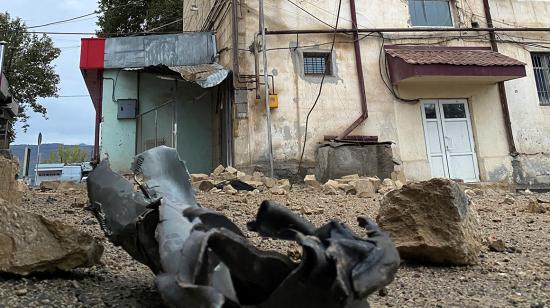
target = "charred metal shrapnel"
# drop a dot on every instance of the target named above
(202, 259)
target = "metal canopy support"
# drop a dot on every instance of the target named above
(266, 92)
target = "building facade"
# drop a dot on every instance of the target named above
(452, 98)
(158, 90)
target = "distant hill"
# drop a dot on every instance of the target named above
(18, 150)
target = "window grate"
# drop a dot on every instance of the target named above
(317, 63)
(541, 67)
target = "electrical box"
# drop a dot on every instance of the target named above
(274, 101)
(127, 109)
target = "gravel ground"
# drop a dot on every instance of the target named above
(520, 278)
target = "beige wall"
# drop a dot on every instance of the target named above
(389, 118)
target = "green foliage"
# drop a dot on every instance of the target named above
(28, 65)
(123, 16)
(68, 155)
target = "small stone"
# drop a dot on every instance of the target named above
(269, 182)
(218, 170)
(21, 292)
(294, 254)
(228, 189)
(206, 185)
(226, 176)
(509, 200)
(398, 184)
(278, 191)
(198, 177)
(330, 190)
(311, 181)
(535, 207)
(257, 176)
(284, 184)
(89, 222)
(242, 176)
(496, 245)
(231, 170)
(350, 177)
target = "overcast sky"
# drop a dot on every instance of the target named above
(69, 120)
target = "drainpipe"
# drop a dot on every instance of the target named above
(360, 76)
(98, 116)
(501, 87)
(2, 45)
(266, 92)
(235, 42)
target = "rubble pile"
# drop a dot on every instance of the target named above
(432, 222)
(30, 243)
(224, 180)
(10, 189)
(232, 181)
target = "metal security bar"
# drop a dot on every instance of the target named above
(316, 63)
(541, 66)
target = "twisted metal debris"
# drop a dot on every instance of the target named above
(202, 259)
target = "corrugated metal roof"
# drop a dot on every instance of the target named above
(168, 49)
(453, 57)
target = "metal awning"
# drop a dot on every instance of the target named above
(410, 64)
(205, 75)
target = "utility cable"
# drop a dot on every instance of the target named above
(320, 87)
(63, 21)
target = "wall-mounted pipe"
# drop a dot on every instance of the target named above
(402, 30)
(235, 42)
(501, 88)
(360, 76)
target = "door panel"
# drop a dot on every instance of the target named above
(462, 167)
(449, 139)
(457, 137)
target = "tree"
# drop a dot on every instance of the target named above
(28, 65)
(68, 155)
(123, 16)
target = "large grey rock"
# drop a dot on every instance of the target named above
(432, 222)
(30, 243)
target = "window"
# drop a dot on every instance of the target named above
(317, 63)
(430, 13)
(541, 66)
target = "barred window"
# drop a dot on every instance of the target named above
(425, 13)
(317, 63)
(541, 66)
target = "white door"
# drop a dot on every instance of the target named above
(449, 139)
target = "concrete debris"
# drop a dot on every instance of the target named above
(432, 222)
(30, 243)
(206, 185)
(496, 245)
(228, 189)
(536, 207)
(311, 181)
(509, 200)
(218, 170)
(386, 186)
(199, 177)
(220, 266)
(10, 189)
(231, 170)
(70, 186)
(49, 185)
(269, 182)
